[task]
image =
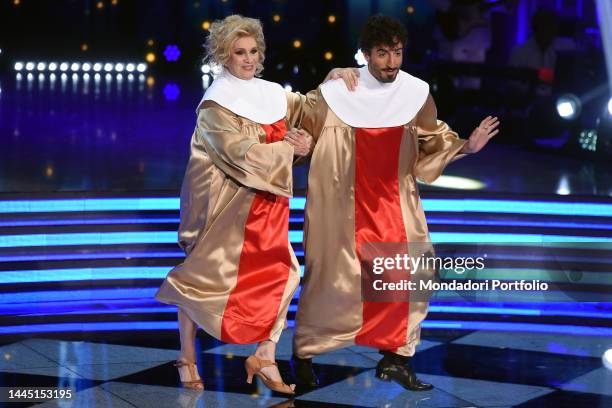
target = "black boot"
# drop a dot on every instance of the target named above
(395, 367)
(303, 372)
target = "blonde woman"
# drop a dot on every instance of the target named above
(240, 272)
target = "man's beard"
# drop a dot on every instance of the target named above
(385, 76)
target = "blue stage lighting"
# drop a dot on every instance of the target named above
(172, 53)
(171, 91)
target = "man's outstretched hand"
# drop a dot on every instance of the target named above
(481, 135)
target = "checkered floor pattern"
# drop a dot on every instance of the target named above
(468, 369)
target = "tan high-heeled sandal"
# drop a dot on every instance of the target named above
(188, 372)
(253, 366)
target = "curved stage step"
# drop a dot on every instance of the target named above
(97, 261)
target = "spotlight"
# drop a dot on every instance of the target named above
(610, 106)
(108, 67)
(288, 87)
(171, 91)
(75, 66)
(130, 67)
(607, 359)
(97, 67)
(360, 59)
(205, 69)
(86, 67)
(52, 66)
(19, 66)
(29, 66)
(568, 106)
(63, 67)
(142, 67)
(41, 66)
(119, 67)
(75, 77)
(172, 53)
(588, 140)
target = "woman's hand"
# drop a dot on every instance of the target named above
(300, 140)
(481, 135)
(350, 76)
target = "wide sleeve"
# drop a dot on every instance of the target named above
(243, 157)
(302, 112)
(438, 144)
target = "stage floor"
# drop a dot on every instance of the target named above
(477, 368)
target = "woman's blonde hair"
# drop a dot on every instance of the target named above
(224, 33)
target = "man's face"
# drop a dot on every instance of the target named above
(385, 61)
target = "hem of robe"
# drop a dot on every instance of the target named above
(315, 345)
(205, 318)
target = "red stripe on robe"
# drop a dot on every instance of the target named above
(378, 219)
(253, 305)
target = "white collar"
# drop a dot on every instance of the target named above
(375, 104)
(261, 101)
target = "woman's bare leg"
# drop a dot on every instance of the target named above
(266, 350)
(187, 332)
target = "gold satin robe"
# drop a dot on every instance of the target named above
(232, 180)
(331, 314)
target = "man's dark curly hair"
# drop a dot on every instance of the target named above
(382, 30)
